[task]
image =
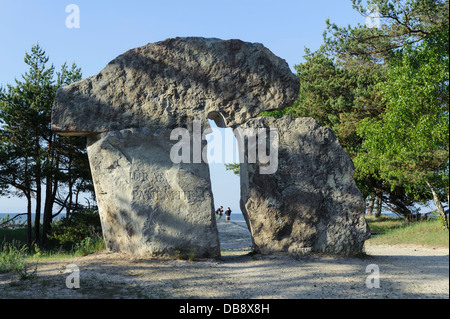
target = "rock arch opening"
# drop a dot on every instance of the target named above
(234, 234)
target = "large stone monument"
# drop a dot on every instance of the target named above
(150, 204)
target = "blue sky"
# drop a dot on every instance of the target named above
(109, 28)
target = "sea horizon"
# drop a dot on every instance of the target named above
(234, 215)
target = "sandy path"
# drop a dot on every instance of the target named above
(405, 272)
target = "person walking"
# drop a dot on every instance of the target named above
(228, 213)
(219, 212)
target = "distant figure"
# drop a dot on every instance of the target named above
(219, 212)
(228, 213)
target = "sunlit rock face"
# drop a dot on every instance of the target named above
(148, 205)
(169, 84)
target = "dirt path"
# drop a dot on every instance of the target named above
(404, 272)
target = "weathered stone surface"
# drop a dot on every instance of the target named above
(169, 84)
(311, 201)
(149, 205)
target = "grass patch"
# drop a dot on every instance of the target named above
(17, 258)
(77, 235)
(12, 257)
(395, 230)
(384, 224)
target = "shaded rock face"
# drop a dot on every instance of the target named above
(150, 204)
(311, 202)
(169, 84)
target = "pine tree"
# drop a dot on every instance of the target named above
(32, 157)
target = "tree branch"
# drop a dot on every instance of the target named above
(10, 220)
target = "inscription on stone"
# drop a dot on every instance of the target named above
(139, 194)
(138, 176)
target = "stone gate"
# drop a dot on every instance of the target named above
(151, 205)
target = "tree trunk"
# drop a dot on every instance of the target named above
(50, 192)
(77, 195)
(371, 204)
(378, 208)
(27, 193)
(29, 221)
(438, 204)
(398, 207)
(37, 217)
(69, 206)
(47, 211)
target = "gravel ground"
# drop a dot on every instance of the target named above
(404, 272)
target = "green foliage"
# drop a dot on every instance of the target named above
(277, 113)
(440, 219)
(18, 234)
(79, 234)
(235, 167)
(12, 259)
(352, 82)
(395, 231)
(338, 93)
(408, 144)
(326, 93)
(89, 245)
(14, 253)
(79, 230)
(383, 224)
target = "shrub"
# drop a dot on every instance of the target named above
(12, 257)
(71, 231)
(89, 245)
